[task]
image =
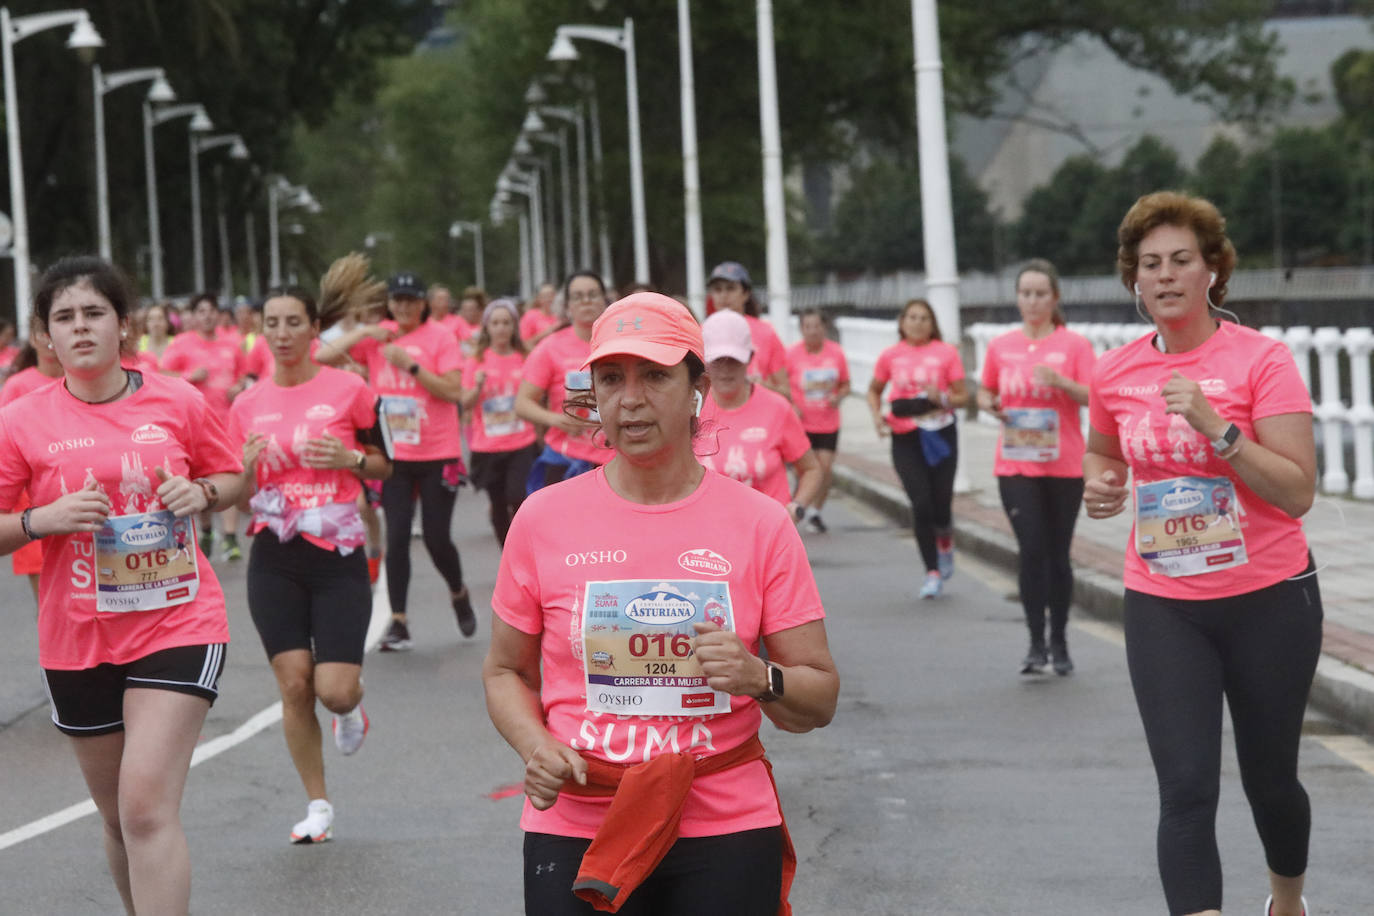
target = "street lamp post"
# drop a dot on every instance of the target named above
(937, 210)
(281, 193)
(624, 39)
(200, 122)
(526, 184)
(226, 274)
(560, 141)
(455, 230)
(691, 181)
(200, 145)
(160, 91)
(83, 39)
(774, 210)
(574, 116)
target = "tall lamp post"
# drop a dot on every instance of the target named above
(200, 123)
(774, 210)
(200, 145)
(563, 51)
(499, 211)
(691, 181)
(281, 193)
(159, 92)
(560, 141)
(455, 230)
(574, 117)
(526, 184)
(84, 39)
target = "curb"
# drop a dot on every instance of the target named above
(1340, 690)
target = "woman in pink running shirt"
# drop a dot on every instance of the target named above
(927, 380)
(819, 374)
(1035, 379)
(554, 373)
(653, 584)
(416, 367)
(157, 337)
(731, 289)
(309, 434)
(757, 433)
(214, 363)
(131, 632)
(539, 321)
(1205, 422)
(502, 444)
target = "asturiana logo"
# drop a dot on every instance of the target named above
(150, 434)
(702, 560)
(320, 412)
(144, 535)
(660, 609)
(1181, 500)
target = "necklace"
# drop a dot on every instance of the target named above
(114, 397)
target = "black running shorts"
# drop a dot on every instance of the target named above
(91, 701)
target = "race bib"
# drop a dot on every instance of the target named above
(637, 645)
(145, 562)
(819, 383)
(1030, 434)
(402, 416)
(498, 417)
(1188, 525)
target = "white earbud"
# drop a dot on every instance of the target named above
(696, 397)
(1213, 282)
(49, 346)
(1137, 289)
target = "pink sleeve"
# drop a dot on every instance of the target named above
(790, 598)
(954, 365)
(1084, 360)
(362, 350)
(795, 442)
(844, 364)
(362, 412)
(778, 358)
(1276, 385)
(538, 367)
(516, 599)
(991, 368)
(14, 470)
(881, 370)
(172, 360)
(527, 329)
(470, 374)
(209, 448)
(448, 356)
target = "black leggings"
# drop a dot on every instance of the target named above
(503, 476)
(1259, 650)
(408, 480)
(1042, 512)
(930, 489)
(735, 874)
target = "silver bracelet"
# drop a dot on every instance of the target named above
(24, 522)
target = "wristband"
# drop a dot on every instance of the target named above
(207, 486)
(414, 369)
(24, 522)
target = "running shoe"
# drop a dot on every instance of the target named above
(467, 620)
(814, 524)
(945, 552)
(231, 550)
(1036, 659)
(1269, 906)
(931, 588)
(397, 638)
(1059, 655)
(318, 825)
(350, 729)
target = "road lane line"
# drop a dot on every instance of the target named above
(381, 615)
(1351, 748)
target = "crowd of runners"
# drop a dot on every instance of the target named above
(314, 422)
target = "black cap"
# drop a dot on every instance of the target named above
(406, 283)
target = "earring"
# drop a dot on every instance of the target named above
(696, 397)
(49, 346)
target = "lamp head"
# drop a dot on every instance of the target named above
(597, 5)
(201, 123)
(522, 146)
(85, 40)
(562, 51)
(535, 95)
(238, 150)
(533, 123)
(455, 230)
(161, 91)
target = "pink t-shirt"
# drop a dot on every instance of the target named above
(533, 322)
(555, 364)
(815, 378)
(912, 369)
(769, 355)
(21, 383)
(334, 402)
(1246, 376)
(220, 356)
(52, 443)
(756, 441)
(1009, 372)
(494, 426)
(423, 427)
(581, 532)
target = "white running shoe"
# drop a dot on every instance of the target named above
(318, 825)
(1269, 906)
(350, 729)
(933, 583)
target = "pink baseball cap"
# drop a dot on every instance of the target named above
(651, 325)
(726, 334)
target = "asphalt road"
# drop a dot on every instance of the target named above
(947, 784)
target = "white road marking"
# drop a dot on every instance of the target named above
(381, 616)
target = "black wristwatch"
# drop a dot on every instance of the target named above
(414, 369)
(1228, 438)
(774, 691)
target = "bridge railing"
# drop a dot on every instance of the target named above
(1334, 364)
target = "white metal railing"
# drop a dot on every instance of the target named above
(1342, 407)
(895, 289)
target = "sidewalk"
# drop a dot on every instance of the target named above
(1339, 531)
